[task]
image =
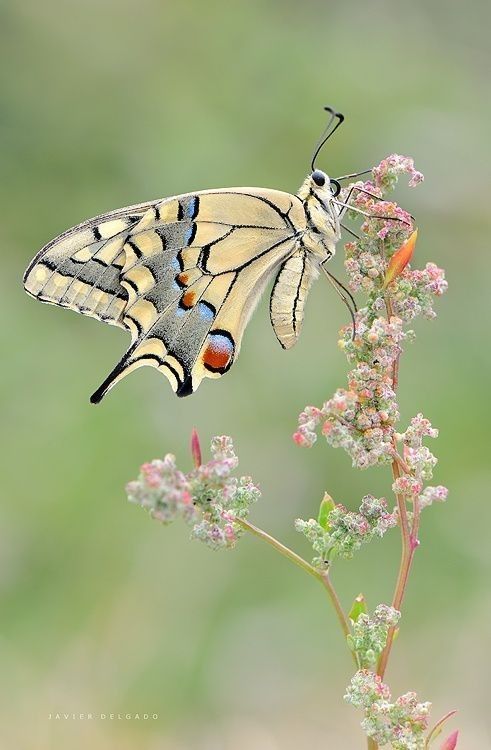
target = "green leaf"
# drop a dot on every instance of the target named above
(325, 508)
(359, 607)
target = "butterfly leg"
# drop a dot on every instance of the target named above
(348, 207)
(347, 229)
(344, 293)
(371, 195)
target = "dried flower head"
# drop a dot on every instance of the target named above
(208, 498)
(369, 633)
(344, 532)
(400, 723)
(420, 463)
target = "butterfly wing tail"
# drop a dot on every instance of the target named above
(126, 364)
(150, 352)
(131, 360)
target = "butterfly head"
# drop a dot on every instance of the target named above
(321, 180)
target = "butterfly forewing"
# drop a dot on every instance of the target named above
(183, 275)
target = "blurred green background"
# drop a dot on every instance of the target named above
(104, 104)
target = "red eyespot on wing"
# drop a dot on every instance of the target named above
(219, 352)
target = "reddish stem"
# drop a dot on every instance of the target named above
(409, 534)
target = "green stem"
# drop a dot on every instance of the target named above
(343, 620)
(322, 576)
(281, 548)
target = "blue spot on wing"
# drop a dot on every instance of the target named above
(221, 343)
(206, 311)
(192, 207)
(189, 234)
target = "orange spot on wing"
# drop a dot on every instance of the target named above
(182, 278)
(216, 357)
(188, 299)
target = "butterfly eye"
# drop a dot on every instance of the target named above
(319, 177)
(335, 187)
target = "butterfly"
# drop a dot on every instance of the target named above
(184, 274)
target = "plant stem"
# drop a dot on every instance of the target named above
(407, 554)
(395, 365)
(371, 744)
(322, 576)
(281, 548)
(437, 728)
(409, 536)
(343, 620)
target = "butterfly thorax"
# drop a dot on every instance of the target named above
(315, 243)
(322, 224)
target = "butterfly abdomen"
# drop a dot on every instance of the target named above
(289, 293)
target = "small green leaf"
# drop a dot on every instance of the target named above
(359, 607)
(326, 506)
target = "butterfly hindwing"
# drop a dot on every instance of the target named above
(193, 286)
(81, 268)
(183, 275)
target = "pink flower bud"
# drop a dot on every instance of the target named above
(451, 741)
(401, 258)
(196, 448)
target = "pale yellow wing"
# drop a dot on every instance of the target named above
(183, 276)
(80, 269)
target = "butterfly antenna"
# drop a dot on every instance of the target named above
(345, 295)
(327, 133)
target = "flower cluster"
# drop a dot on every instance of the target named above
(400, 723)
(413, 291)
(361, 418)
(164, 491)
(369, 633)
(208, 498)
(340, 532)
(386, 225)
(389, 169)
(419, 462)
